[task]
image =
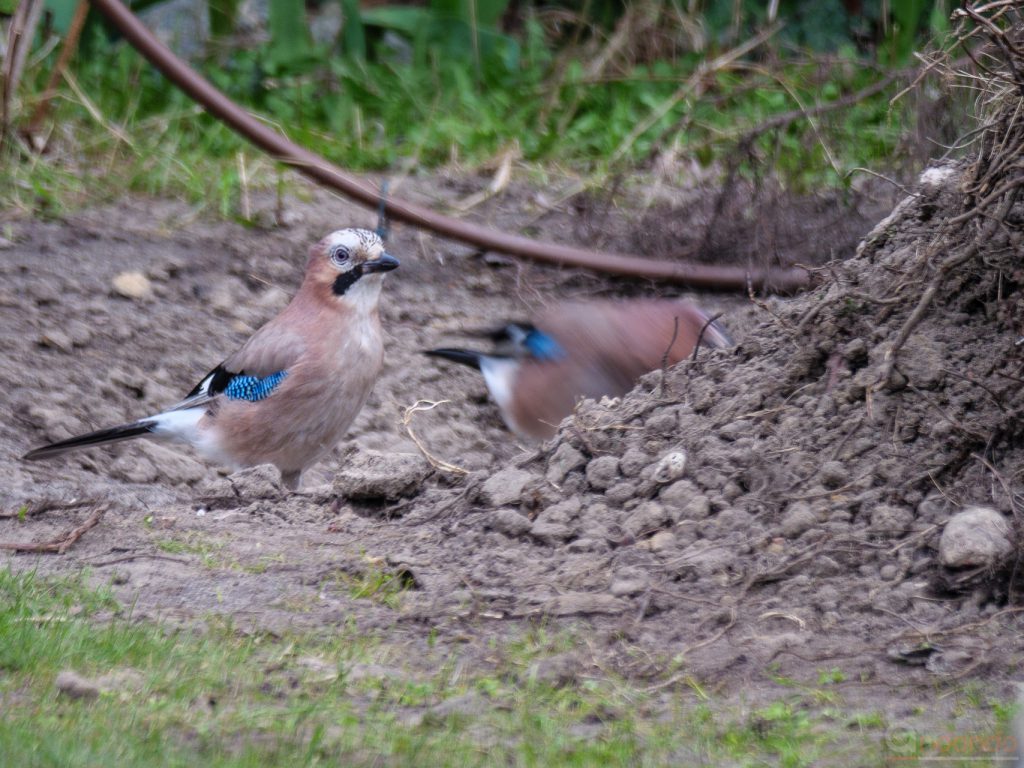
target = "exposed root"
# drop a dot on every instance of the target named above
(428, 405)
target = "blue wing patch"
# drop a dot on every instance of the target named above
(542, 346)
(253, 388)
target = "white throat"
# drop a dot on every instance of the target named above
(364, 295)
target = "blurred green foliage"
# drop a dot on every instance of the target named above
(409, 86)
(375, 113)
(888, 31)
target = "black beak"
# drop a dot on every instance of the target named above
(464, 356)
(385, 263)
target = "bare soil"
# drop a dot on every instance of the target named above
(800, 536)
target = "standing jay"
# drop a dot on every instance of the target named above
(293, 389)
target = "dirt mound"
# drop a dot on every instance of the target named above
(786, 502)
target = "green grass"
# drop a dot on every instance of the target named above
(212, 553)
(140, 133)
(215, 697)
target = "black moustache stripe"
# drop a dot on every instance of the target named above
(346, 280)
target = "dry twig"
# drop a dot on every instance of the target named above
(62, 543)
(428, 405)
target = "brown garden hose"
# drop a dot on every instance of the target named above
(323, 172)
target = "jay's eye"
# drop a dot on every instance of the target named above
(339, 254)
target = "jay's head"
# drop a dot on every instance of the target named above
(348, 267)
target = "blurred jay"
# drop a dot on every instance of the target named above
(538, 371)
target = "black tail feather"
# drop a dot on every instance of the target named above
(464, 356)
(100, 437)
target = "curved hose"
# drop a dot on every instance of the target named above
(323, 172)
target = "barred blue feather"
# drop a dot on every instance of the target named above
(542, 346)
(253, 388)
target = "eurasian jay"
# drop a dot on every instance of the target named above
(293, 389)
(539, 371)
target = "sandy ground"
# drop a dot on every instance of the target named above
(801, 537)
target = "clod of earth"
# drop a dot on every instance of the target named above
(976, 536)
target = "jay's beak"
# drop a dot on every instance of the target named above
(464, 356)
(385, 263)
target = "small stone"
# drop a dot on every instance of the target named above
(602, 472)
(856, 350)
(44, 292)
(551, 534)
(221, 298)
(697, 508)
(833, 474)
(172, 465)
(71, 684)
(122, 679)
(56, 339)
(260, 482)
(133, 285)
(571, 603)
(320, 670)
(558, 670)
(706, 560)
(620, 493)
(678, 494)
(466, 705)
(378, 475)
(645, 519)
(827, 597)
(709, 478)
(79, 332)
(732, 491)
(509, 522)
(627, 587)
(664, 422)
(798, 519)
(735, 430)
(589, 544)
(373, 672)
(735, 519)
(659, 542)
(824, 566)
(950, 663)
(596, 513)
(922, 360)
(563, 461)
(937, 175)
(886, 518)
(505, 487)
(670, 467)
(889, 572)
(975, 536)
(633, 461)
(54, 421)
(563, 512)
(933, 508)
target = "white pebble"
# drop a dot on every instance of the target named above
(133, 285)
(671, 467)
